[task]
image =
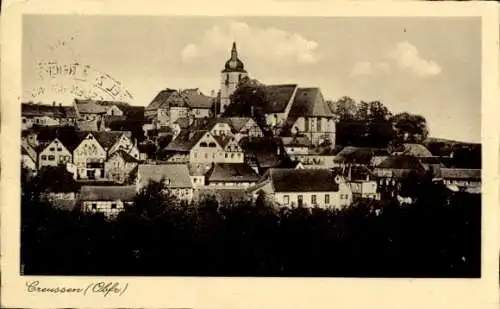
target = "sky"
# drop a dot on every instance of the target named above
(422, 65)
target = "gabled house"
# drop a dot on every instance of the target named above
(114, 141)
(166, 107)
(244, 127)
(234, 175)
(200, 105)
(54, 154)
(108, 200)
(119, 166)
(304, 188)
(90, 115)
(195, 147)
(89, 157)
(175, 177)
(311, 116)
(232, 150)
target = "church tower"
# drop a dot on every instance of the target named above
(233, 72)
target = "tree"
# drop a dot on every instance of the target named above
(409, 128)
(345, 108)
(250, 99)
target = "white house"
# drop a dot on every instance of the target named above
(109, 200)
(175, 176)
(304, 188)
(89, 157)
(119, 166)
(55, 153)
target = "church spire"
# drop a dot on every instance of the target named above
(234, 64)
(234, 52)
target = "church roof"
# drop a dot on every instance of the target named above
(309, 102)
(278, 97)
(234, 64)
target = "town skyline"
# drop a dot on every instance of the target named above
(405, 68)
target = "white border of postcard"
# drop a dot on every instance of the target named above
(178, 292)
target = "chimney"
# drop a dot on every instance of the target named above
(212, 93)
(53, 103)
(252, 111)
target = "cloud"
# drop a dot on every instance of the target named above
(259, 44)
(368, 68)
(404, 56)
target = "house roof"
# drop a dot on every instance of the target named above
(185, 140)
(67, 136)
(89, 107)
(178, 174)
(359, 155)
(198, 100)
(199, 169)
(125, 155)
(416, 150)
(296, 141)
(461, 173)
(302, 180)
(223, 194)
(401, 162)
(109, 138)
(238, 123)
(107, 193)
(160, 99)
(183, 122)
(232, 172)
(223, 140)
(309, 102)
(38, 110)
(278, 97)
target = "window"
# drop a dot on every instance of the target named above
(313, 199)
(300, 200)
(52, 158)
(286, 199)
(327, 199)
(206, 155)
(318, 125)
(51, 149)
(113, 205)
(44, 157)
(59, 149)
(232, 156)
(194, 180)
(195, 154)
(225, 155)
(212, 145)
(239, 155)
(24, 120)
(203, 144)
(94, 206)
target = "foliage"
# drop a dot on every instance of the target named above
(410, 128)
(371, 124)
(250, 100)
(438, 236)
